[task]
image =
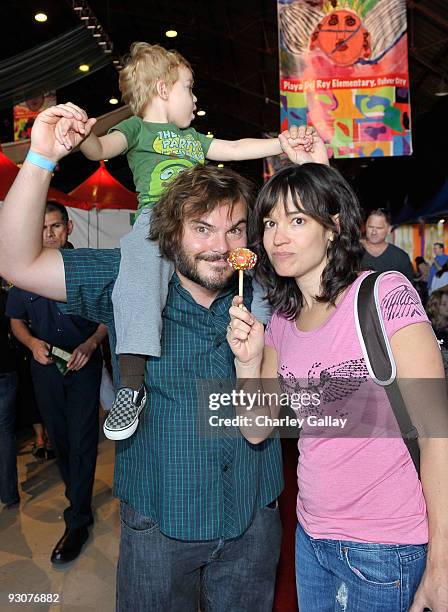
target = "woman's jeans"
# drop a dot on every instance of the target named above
(334, 575)
(9, 493)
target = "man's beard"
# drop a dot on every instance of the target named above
(188, 265)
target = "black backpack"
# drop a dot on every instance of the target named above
(379, 358)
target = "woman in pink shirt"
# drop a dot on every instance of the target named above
(364, 516)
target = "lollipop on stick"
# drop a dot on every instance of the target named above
(241, 259)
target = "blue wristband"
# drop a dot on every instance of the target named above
(39, 160)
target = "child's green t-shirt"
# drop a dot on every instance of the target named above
(157, 153)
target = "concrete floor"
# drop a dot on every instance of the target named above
(29, 533)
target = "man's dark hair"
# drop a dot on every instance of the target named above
(55, 206)
(321, 192)
(194, 192)
(439, 244)
(380, 212)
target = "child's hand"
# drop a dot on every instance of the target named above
(70, 132)
(299, 137)
(303, 145)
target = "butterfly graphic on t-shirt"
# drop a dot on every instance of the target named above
(400, 302)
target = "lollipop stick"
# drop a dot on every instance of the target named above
(240, 284)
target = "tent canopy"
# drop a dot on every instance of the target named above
(8, 173)
(103, 191)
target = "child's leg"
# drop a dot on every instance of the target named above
(138, 297)
(132, 370)
(140, 292)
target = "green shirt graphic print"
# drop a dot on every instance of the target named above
(157, 153)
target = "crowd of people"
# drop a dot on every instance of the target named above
(200, 523)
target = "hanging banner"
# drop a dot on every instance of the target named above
(344, 69)
(27, 111)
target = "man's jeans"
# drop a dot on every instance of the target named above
(9, 493)
(159, 574)
(355, 577)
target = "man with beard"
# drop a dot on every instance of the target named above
(199, 516)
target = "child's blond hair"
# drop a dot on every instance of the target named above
(144, 66)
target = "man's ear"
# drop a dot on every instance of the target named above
(69, 227)
(162, 90)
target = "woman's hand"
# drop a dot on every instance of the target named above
(245, 334)
(432, 593)
(294, 143)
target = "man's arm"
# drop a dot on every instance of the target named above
(23, 260)
(39, 348)
(82, 353)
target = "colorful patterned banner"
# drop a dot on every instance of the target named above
(344, 69)
(25, 113)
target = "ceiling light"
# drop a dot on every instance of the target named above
(113, 100)
(200, 113)
(209, 135)
(84, 68)
(220, 165)
(171, 33)
(97, 35)
(40, 17)
(102, 42)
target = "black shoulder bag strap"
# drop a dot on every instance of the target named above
(379, 359)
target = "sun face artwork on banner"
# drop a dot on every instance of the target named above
(25, 112)
(344, 69)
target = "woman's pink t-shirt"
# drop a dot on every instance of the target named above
(363, 488)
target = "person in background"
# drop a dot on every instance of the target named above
(67, 402)
(437, 311)
(380, 255)
(9, 493)
(440, 279)
(440, 259)
(421, 279)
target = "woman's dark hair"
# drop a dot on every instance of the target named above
(321, 192)
(419, 260)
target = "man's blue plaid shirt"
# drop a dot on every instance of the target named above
(196, 485)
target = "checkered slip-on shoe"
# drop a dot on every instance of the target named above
(122, 419)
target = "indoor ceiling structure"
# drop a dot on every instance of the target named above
(233, 48)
